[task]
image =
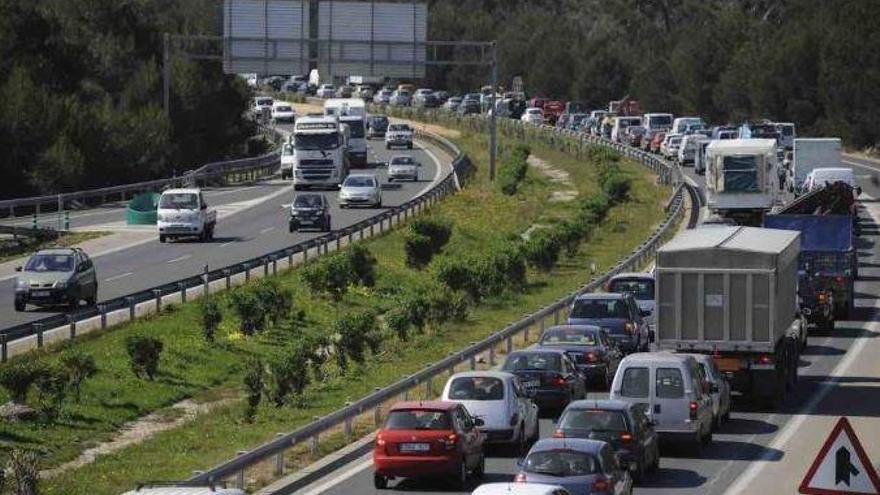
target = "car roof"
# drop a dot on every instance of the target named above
(631, 275)
(604, 404)
(182, 490)
(655, 357)
(600, 295)
(579, 444)
(501, 375)
(595, 328)
(429, 405)
(371, 176)
(537, 350)
(58, 251)
(182, 191)
(515, 489)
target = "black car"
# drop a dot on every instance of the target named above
(549, 377)
(589, 347)
(377, 125)
(623, 425)
(469, 106)
(310, 210)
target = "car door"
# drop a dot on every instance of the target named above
(576, 381)
(612, 353)
(90, 276)
(647, 435)
(473, 440)
(528, 409)
(618, 478)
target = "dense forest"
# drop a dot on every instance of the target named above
(814, 62)
(81, 95)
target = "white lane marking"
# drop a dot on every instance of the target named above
(339, 478)
(118, 277)
(267, 230)
(227, 244)
(439, 167)
(742, 483)
(184, 257)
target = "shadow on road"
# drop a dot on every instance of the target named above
(742, 426)
(673, 478)
(723, 450)
(823, 350)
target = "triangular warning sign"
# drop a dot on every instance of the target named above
(841, 468)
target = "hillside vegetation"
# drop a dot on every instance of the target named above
(81, 95)
(813, 62)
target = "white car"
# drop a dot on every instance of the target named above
(669, 146)
(184, 213)
(287, 160)
(509, 416)
(360, 190)
(519, 489)
(283, 111)
(399, 135)
(719, 388)
(326, 91)
(687, 150)
(533, 115)
(185, 490)
(403, 167)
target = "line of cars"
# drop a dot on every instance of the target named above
(597, 446)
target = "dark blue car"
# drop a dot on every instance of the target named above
(618, 314)
(583, 467)
(589, 347)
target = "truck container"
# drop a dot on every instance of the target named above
(742, 179)
(732, 292)
(812, 153)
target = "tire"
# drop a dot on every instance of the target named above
(162, 239)
(387, 146)
(462, 478)
(291, 228)
(481, 467)
(390, 180)
(327, 227)
(73, 303)
(20, 305)
(416, 178)
(380, 482)
(639, 474)
(297, 187)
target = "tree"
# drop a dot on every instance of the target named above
(253, 385)
(18, 377)
(79, 367)
(144, 353)
(212, 316)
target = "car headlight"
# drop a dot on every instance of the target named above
(21, 284)
(61, 284)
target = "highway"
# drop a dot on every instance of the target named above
(253, 226)
(771, 449)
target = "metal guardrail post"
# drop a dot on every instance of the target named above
(3, 348)
(103, 310)
(72, 322)
(556, 317)
(247, 272)
(265, 267)
(206, 279)
(492, 355)
(377, 412)
(182, 287)
(508, 345)
(305, 253)
(279, 459)
(131, 307)
(239, 476)
(227, 273)
(38, 327)
(274, 265)
(158, 294)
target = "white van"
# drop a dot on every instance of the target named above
(183, 490)
(682, 124)
(621, 124)
(688, 149)
(819, 177)
(673, 390)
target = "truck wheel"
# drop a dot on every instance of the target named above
(162, 238)
(327, 226)
(380, 482)
(20, 305)
(297, 187)
(387, 146)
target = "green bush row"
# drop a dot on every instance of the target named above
(333, 274)
(513, 169)
(424, 238)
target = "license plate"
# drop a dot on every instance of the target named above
(727, 364)
(414, 447)
(532, 384)
(40, 293)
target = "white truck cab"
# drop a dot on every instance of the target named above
(319, 152)
(352, 112)
(184, 213)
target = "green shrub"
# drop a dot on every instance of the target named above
(511, 172)
(247, 306)
(212, 316)
(363, 265)
(418, 248)
(79, 367)
(417, 309)
(570, 234)
(459, 306)
(509, 263)
(18, 377)
(594, 209)
(51, 385)
(355, 333)
(287, 373)
(334, 273)
(458, 274)
(275, 302)
(617, 188)
(144, 353)
(253, 386)
(314, 275)
(23, 471)
(397, 321)
(437, 229)
(541, 250)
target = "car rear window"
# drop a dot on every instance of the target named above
(418, 419)
(593, 420)
(533, 361)
(476, 388)
(635, 382)
(669, 384)
(571, 336)
(599, 308)
(642, 289)
(561, 463)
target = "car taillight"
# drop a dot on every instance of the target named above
(514, 419)
(600, 485)
(449, 441)
(626, 437)
(520, 478)
(558, 434)
(591, 357)
(765, 359)
(693, 409)
(380, 442)
(629, 327)
(559, 381)
(821, 297)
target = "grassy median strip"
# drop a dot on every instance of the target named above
(482, 219)
(10, 249)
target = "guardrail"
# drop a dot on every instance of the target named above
(274, 451)
(120, 309)
(42, 233)
(255, 166)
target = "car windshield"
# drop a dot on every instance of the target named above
(357, 128)
(283, 109)
(312, 142)
(533, 361)
(379, 122)
(593, 420)
(661, 120)
(354, 181)
(265, 102)
(599, 308)
(398, 127)
(476, 388)
(416, 419)
(561, 463)
(402, 160)
(41, 263)
(179, 201)
(307, 201)
(569, 336)
(642, 289)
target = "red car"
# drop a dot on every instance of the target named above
(428, 438)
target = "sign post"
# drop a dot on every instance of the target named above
(842, 467)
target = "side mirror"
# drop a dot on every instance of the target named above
(479, 422)
(18, 268)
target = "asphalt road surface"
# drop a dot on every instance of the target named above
(250, 233)
(753, 437)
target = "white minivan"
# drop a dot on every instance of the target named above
(621, 124)
(673, 390)
(162, 489)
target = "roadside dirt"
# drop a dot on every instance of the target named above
(141, 430)
(557, 176)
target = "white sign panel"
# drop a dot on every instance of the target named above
(842, 467)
